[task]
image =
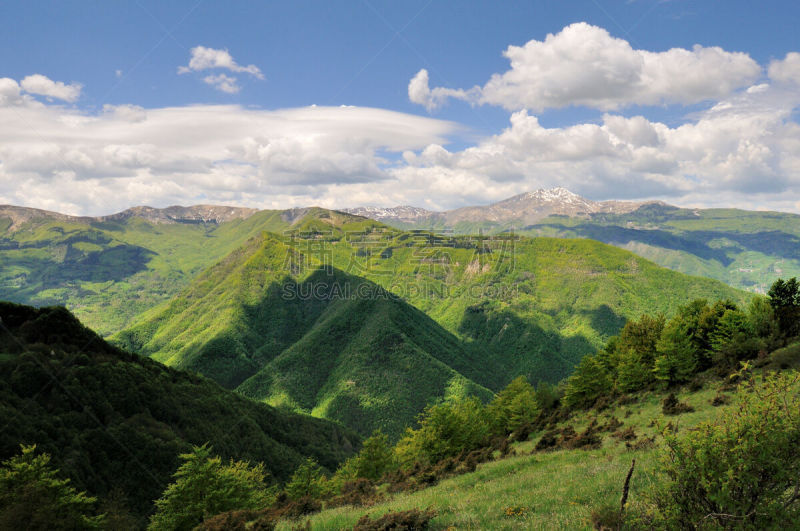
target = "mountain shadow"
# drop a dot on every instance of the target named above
(615, 235)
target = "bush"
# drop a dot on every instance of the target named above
(413, 519)
(672, 406)
(741, 471)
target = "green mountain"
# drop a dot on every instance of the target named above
(109, 269)
(115, 422)
(522, 306)
(745, 249)
(368, 362)
(366, 324)
(319, 340)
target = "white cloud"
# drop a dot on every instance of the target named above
(71, 161)
(203, 58)
(584, 65)
(44, 86)
(223, 83)
(9, 92)
(786, 70)
(743, 149)
(420, 92)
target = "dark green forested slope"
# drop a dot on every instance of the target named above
(370, 361)
(115, 421)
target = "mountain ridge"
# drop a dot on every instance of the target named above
(526, 207)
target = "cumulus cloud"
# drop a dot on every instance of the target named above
(223, 83)
(585, 65)
(786, 70)
(741, 149)
(419, 91)
(203, 58)
(44, 86)
(9, 92)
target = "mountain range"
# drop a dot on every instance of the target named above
(522, 209)
(416, 315)
(745, 249)
(354, 321)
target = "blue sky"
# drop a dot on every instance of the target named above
(122, 59)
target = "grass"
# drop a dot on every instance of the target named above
(543, 490)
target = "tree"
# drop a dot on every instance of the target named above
(589, 381)
(676, 361)
(784, 297)
(734, 340)
(33, 497)
(445, 430)
(308, 480)
(637, 352)
(375, 458)
(205, 487)
(514, 406)
(761, 319)
(741, 471)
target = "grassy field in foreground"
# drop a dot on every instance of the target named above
(546, 490)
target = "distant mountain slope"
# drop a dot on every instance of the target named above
(114, 420)
(319, 341)
(369, 361)
(518, 305)
(110, 269)
(745, 249)
(522, 306)
(515, 211)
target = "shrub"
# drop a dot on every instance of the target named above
(741, 471)
(672, 406)
(413, 519)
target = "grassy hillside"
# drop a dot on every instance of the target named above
(542, 486)
(108, 272)
(745, 249)
(116, 422)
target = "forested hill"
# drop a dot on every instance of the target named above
(115, 422)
